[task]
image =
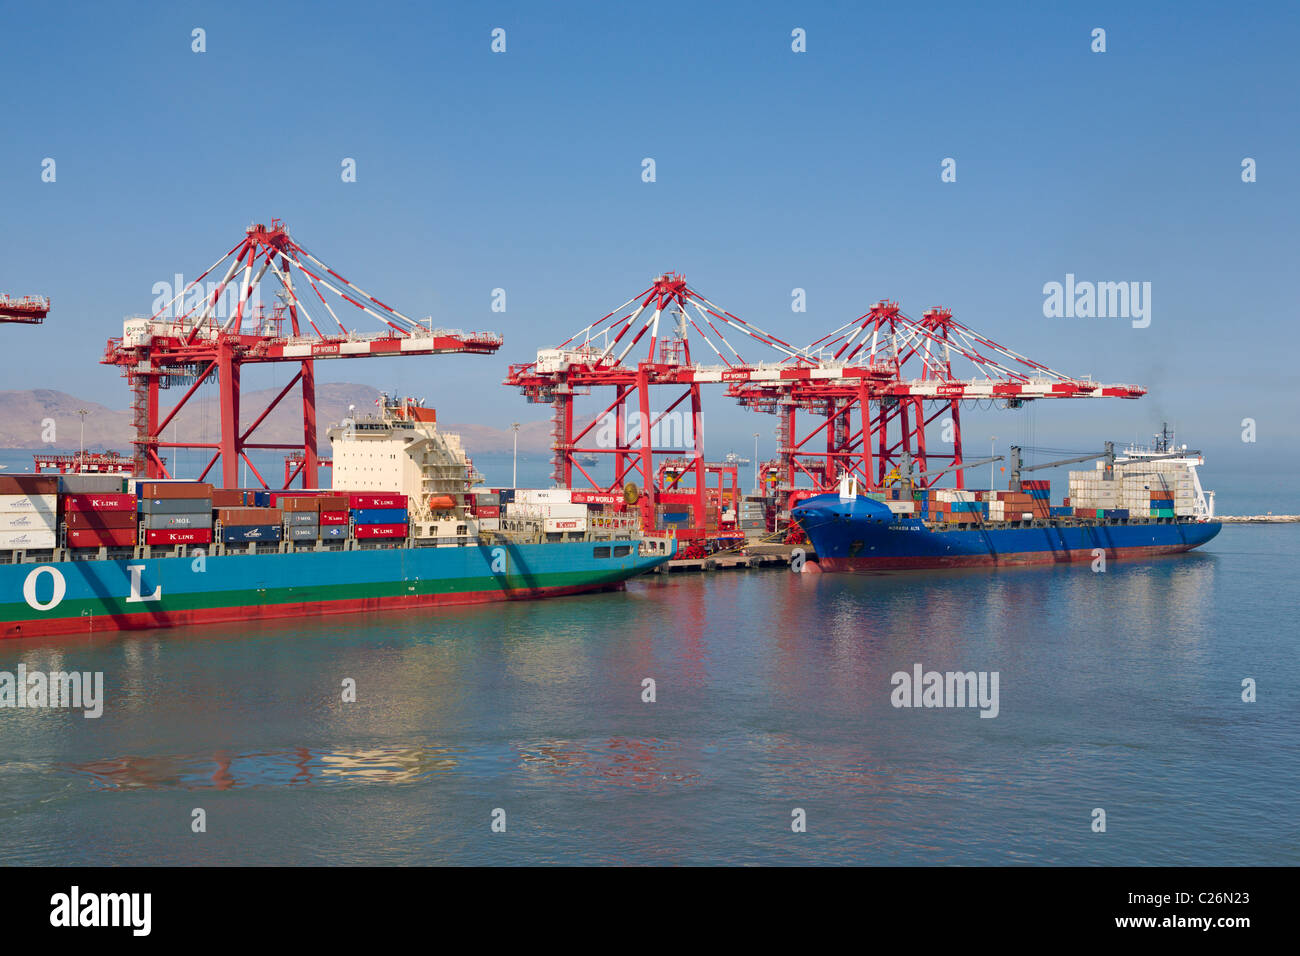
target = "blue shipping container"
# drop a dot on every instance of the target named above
(379, 515)
(251, 533)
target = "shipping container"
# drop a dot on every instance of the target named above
(332, 532)
(249, 517)
(173, 506)
(29, 485)
(85, 520)
(92, 484)
(179, 536)
(26, 540)
(553, 525)
(47, 504)
(251, 533)
(154, 522)
(304, 532)
(101, 537)
(101, 502)
(28, 521)
(369, 500)
(297, 503)
(230, 498)
(379, 515)
(381, 530)
(301, 518)
(333, 517)
(175, 489)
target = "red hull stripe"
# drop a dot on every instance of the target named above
(917, 562)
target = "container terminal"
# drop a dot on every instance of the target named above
(406, 520)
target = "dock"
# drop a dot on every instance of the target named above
(771, 556)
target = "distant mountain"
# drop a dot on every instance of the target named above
(26, 417)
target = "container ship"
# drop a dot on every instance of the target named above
(1149, 501)
(402, 528)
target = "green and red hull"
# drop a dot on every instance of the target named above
(77, 597)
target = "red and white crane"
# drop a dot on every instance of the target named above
(645, 345)
(27, 310)
(213, 331)
(883, 380)
(872, 389)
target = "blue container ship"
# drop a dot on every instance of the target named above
(1147, 503)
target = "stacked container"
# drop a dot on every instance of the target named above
(175, 512)
(753, 514)
(29, 512)
(242, 525)
(334, 521)
(107, 520)
(378, 515)
(301, 517)
(1040, 496)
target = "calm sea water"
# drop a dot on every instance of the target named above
(1119, 690)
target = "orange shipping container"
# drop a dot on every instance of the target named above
(176, 489)
(248, 517)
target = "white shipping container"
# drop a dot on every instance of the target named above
(559, 510)
(566, 524)
(41, 504)
(543, 496)
(901, 507)
(27, 521)
(489, 524)
(25, 540)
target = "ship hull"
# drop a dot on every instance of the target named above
(80, 597)
(863, 537)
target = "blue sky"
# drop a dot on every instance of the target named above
(775, 170)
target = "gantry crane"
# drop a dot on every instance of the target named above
(212, 332)
(604, 354)
(28, 310)
(872, 423)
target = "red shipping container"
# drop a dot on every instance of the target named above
(229, 498)
(179, 536)
(108, 502)
(380, 531)
(385, 500)
(333, 517)
(101, 537)
(100, 519)
(489, 511)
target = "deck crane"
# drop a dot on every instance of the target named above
(1107, 455)
(212, 331)
(905, 474)
(1018, 466)
(28, 310)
